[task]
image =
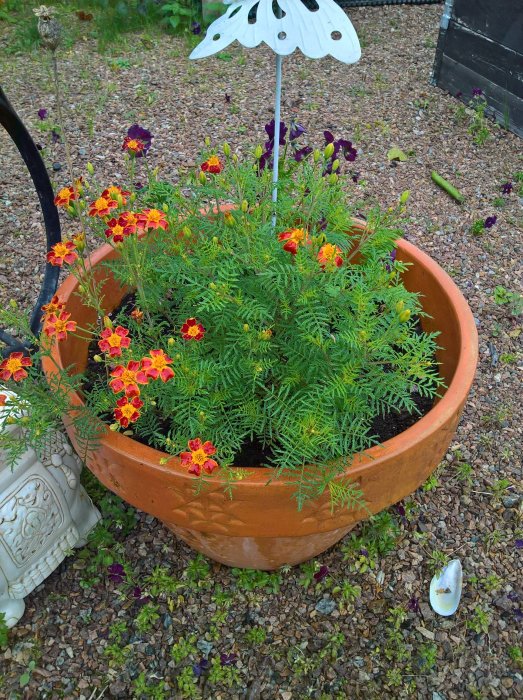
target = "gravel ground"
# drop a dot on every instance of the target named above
(383, 101)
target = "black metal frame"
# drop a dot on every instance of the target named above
(33, 160)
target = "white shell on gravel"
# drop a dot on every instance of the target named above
(445, 589)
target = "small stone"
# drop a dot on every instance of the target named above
(167, 621)
(82, 151)
(56, 167)
(56, 460)
(512, 501)
(204, 646)
(118, 689)
(358, 661)
(437, 696)
(325, 606)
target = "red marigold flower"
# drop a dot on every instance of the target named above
(62, 252)
(330, 255)
(3, 399)
(102, 206)
(13, 367)
(294, 237)
(127, 378)
(59, 325)
(192, 330)
(212, 165)
(156, 365)
(198, 457)
(118, 229)
(54, 307)
(115, 192)
(129, 220)
(134, 147)
(127, 411)
(152, 218)
(137, 315)
(113, 340)
(64, 197)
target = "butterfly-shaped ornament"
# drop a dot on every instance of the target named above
(317, 28)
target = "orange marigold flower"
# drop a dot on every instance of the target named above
(212, 165)
(155, 366)
(13, 367)
(294, 237)
(330, 255)
(114, 340)
(198, 457)
(127, 411)
(54, 307)
(62, 252)
(59, 325)
(64, 197)
(137, 315)
(127, 378)
(118, 230)
(102, 206)
(115, 192)
(133, 146)
(152, 218)
(192, 330)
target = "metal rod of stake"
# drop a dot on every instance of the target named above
(277, 119)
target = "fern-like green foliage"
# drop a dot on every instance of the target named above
(297, 354)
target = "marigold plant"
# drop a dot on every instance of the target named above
(246, 327)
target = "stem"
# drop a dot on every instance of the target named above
(277, 118)
(61, 118)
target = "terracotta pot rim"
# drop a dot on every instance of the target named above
(430, 423)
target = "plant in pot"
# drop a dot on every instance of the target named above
(235, 366)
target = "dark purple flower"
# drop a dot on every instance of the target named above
(329, 138)
(518, 614)
(196, 28)
(116, 573)
(413, 605)
(388, 267)
(322, 224)
(200, 667)
(518, 544)
(477, 92)
(228, 659)
(507, 188)
(227, 98)
(302, 153)
(55, 136)
(296, 131)
(138, 185)
(364, 552)
(140, 134)
(490, 221)
(265, 160)
(355, 177)
(140, 599)
(321, 574)
(513, 596)
(347, 149)
(42, 114)
(270, 129)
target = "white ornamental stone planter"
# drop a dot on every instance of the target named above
(44, 513)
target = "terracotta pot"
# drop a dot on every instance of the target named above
(261, 527)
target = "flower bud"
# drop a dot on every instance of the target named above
(329, 150)
(10, 420)
(213, 285)
(113, 427)
(404, 316)
(171, 342)
(201, 414)
(333, 179)
(202, 178)
(97, 358)
(226, 149)
(246, 327)
(177, 356)
(165, 207)
(79, 241)
(207, 141)
(228, 218)
(70, 210)
(13, 303)
(119, 199)
(152, 402)
(335, 165)
(81, 289)
(164, 460)
(90, 168)
(316, 155)
(127, 432)
(215, 240)
(258, 152)
(235, 158)
(107, 322)
(399, 307)
(132, 198)
(186, 231)
(245, 206)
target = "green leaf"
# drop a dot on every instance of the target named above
(396, 153)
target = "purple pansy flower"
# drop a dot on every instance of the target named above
(200, 667)
(196, 28)
(270, 128)
(321, 574)
(341, 145)
(116, 573)
(302, 153)
(42, 114)
(477, 92)
(228, 659)
(355, 177)
(388, 267)
(490, 221)
(518, 614)
(140, 599)
(507, 188)
(413, 605)
(138, 186)
(297, 130)
(140, 134)
(519, 544)
(364, 552)
(55, 136)
(227, 98)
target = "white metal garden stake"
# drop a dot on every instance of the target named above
(317, 28)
